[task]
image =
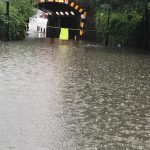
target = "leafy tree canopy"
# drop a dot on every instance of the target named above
(20, 11)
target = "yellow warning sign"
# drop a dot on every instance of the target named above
(81, 32)
(64, 34)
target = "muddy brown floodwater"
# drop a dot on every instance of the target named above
(66, 95)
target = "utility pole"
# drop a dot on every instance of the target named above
(107, 30)
(7, 19)
(146, 44)
(107, 8)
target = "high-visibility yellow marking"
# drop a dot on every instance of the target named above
(81, 32)
(80, 10)
(72, 4)
(76, 7)
(64, 34)
(81, 24)
(85, 13)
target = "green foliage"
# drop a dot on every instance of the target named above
(2, 24)
(126, 24)
(123, 27)
(20, 11)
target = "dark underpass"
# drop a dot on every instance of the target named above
(55, 23)
(64, 15)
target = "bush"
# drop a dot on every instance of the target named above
(123, 27)
(2, 26)
(20, 11)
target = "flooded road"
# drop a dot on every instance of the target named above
(66, 95)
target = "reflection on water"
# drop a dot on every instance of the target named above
(35, 34)
(65, 95)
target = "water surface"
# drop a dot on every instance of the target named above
(66, 95)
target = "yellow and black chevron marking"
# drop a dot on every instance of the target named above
(82, 27)
(72, 4)
(75, 7)
(78, 8)
(82, 21)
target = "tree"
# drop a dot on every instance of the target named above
(129, 22)
(20, 11)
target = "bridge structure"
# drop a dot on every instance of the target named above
(63, 14)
